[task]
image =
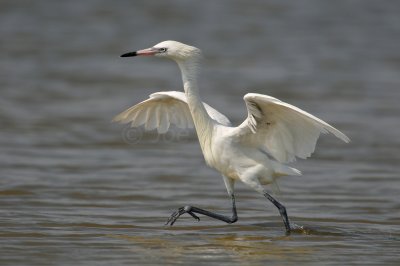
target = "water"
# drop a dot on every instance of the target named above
(76, 189)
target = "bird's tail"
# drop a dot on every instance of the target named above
(282, 170)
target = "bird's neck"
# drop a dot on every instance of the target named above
(202, 121)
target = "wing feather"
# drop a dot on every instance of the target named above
(283, 130)
(163, 109)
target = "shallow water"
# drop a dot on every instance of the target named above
(75, 188)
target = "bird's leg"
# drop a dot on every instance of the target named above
(192, 210)
(282, 210)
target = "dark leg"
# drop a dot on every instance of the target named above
(282, 211)
(192, 210)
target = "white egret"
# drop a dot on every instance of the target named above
(256, 152)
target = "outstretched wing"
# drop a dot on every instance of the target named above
(163, 109)
(282, 130)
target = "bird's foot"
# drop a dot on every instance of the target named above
(293, 228)
(288, 231)
(175, 215)
(288, 227)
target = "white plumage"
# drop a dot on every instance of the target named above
(163, 109)
(255, 152)
(282, 129)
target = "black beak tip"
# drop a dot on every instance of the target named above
(129, 54)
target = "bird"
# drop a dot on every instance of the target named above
(256, 152)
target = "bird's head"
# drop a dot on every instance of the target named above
(174, 50)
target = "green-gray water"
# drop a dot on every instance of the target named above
(76, 189)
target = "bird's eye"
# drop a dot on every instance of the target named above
(162, 50)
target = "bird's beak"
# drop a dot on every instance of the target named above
(149, 51)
